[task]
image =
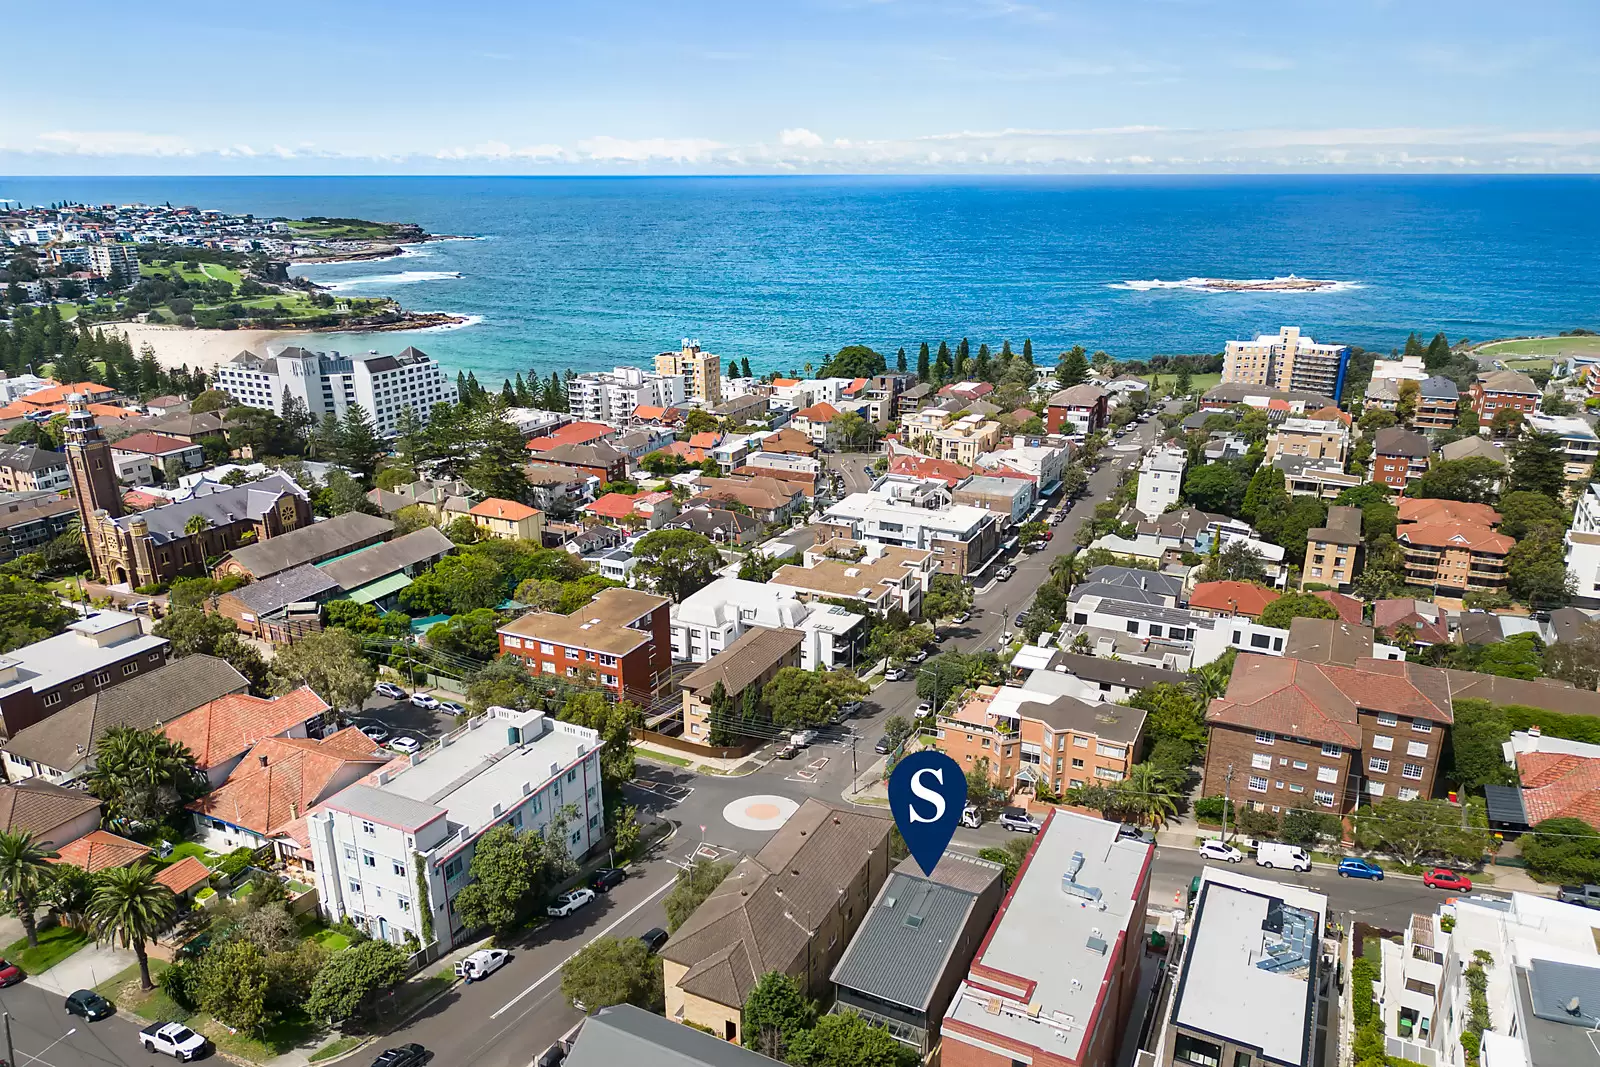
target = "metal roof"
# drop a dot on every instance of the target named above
(903, 948)
(626, 1034)
(1505, 807)
(381, 805)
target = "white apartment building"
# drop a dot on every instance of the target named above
(1043, 463)
(716, 616)
(105, 258)
(962, 538)
(399, 846)
(1583, 549)
(599, 396)
(326, 382)
(1579, 445)
(1160, 480)
(1287, 361)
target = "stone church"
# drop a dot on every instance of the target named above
(173, 540)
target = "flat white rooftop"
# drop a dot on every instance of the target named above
(46, 664)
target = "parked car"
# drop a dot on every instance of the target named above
(924, 709)
(654, 938)
(606, 877)
(481, 964)
(894, 674)
(406, 745)
(375, 733)
(802, 738)
(1444, 878)
(851, 707)
(423, 700)
(883, 747)
(1006, 573)
(1356, 867)
(450, 707)
(390, 690)
(1017, 819)
(10, 973)
(918, 656)
(172, 1039)
(963, 617)
(408, 1055)
(567, 903)
(1273, 854)
(1585, 896)
(1007, 637)
(971, 817)
(88, 1004)
(788, 752)
(1220, 850)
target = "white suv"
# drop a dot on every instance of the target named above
(1217, 850)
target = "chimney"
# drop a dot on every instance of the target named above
(1533, 731)
(261, 758)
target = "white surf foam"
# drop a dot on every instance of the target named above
(403, 278)
(468, 320)
(1211, 285)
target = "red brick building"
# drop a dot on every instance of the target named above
(1399, 456)
(622, 640)
(1502, 389)
(1294, 734)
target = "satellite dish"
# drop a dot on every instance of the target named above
(1572, 1006)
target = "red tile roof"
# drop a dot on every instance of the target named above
(791, 441)
(573, 433)
(1237, 598)
(57, 394)
(184, 875)
(1454, 535)
(282, 778)
(497, 508)
(101, 850)
(705, 439)
(818, 413)
(1428, 626)
(151, 444)
(685, 451)
(1320, 702)
(612, 506)
(1447, 511)
(134, 500)
(923, 467)
(1349, 608)
(225, 728)
(1556, 785)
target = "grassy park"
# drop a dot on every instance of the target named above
(1586, 345)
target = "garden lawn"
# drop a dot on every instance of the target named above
(122, 989)
(279, 1037)
(334, 1048)
(332, 940)
(55, 945)
(195, 849)
(1541, 346)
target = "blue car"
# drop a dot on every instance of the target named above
(1359, 868)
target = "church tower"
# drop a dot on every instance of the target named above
(94, 478)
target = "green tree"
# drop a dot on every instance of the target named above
(983, 791)
(694, 884)
(1539, 466)
(1296, 606)
(330, 664)
(1576, 659)
(896, 728)
(1309, 828)
(775, 1013)
(1073, 368)
(923, 370)
(853, 361)
(613, 970)
(506, 877)
(947, 597)
(25, 871)
(230, 982)
(1563, 850)
(1472, 480)
(341, 495)
(1266, 485)
(1009, 856)
(29, 612)
(1146, 797)
(456, 585)
(1536, 569)
(846, 1039)
(676, 563)
(359, 446)
(1411, 829)
(130, 907)
(1506, 422)
(471, 636)
(1215, 487)
(353, 977)
(142, 776)
(699, 421)
(1522, 510)
(853, 432)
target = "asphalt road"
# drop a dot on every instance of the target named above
(44, 1035)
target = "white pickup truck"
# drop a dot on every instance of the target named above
(172, 1039)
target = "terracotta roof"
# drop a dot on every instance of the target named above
(1319, 702)
(222, 729)
(707, 439)
(1277, 404)
(685, 451)
(1447, 511)
(1556, 785)
(786, 381)
(1349, 608)
(922, 467)
(648, 412)
(758, 494)
(788, 440)
(184, 875)
(100, 850)
(1421, 617)
(818, 413)
(573, 433)
(1328, 414)
(281, 778)
(612, 506)
(39, 807)
(497, 508)
(1454, 535)
(57, 394)
(151, 444)
(134, 500)
(1238, 598)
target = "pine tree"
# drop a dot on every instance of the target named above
(508, 393)
(1413, 345)
(1073, 368)
(1027, 350)
(359, 444)
(744, 368)
(900, 361)
(943, 366)
(922, 363)
(1438, 353)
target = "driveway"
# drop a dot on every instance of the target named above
(84, 969)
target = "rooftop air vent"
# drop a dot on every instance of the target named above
(1096, 945)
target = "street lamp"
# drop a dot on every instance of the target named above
(11, 1053)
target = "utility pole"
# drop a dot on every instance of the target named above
(1227, 794)
(11, 1053)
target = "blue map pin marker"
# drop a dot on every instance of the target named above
(927, 793)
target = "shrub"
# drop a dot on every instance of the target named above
(235, 862)
(1563, 850)
(1209, 809)
(177, 982)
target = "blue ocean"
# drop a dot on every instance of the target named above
(591, 272)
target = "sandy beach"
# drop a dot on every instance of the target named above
(177, 346)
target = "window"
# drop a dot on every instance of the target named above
(1323, 797)
(1296, 788)
(1259, 640)
(1265, 738)
(1258, 784)
(577, 835)
(404, 902)
(452, 869)
(1077, 763)
(1387, 720)
(1382, 743)
(547, 648)
(1422, 726)
(572, 775)
(368, 828)
(1327, 774)
(1378, 765)
(369, 859)
(1241, 1059)
(51, 700)
(1108, 774)
(1197, 1052)
(1133, 626)
(350, 853)
(103, 678)
(355, 887)
(1412, 771)
(398, 868)
(574, 653)
(1077, 742)
(129, 668)
(1409, 794)
(1299, 764)
(1417, 748)
(1375, 789)
(1332, 750)
(1113, 751)
(1261, 761)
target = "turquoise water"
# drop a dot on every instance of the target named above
(587, 273)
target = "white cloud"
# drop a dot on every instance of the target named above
(114, 143)
(799, 137)
(673, 149)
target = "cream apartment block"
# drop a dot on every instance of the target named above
(701, 373)
(963, 539)
(964, 440)
(1310, 438)
(1579, 445)
(1287, 361)
(879, 576)
(611, 397)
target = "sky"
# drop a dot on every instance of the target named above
(800, 86)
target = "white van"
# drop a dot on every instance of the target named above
(1274, 854)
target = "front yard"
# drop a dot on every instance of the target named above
(55, 945)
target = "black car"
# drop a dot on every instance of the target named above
(654, 938)
(883, 746)
(89, 1004)
(606, 877)
(409, 1055)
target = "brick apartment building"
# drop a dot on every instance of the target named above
(1295, 734)
(1399, 457)
(1502, 389)
(1454, 558)
(1438, 404)
(1078, 411)
(622, 639)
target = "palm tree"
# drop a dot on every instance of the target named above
(1145, 795)
(141, 775)
(197, 524)
(24, 869)
(1209, 682)
(131, 907)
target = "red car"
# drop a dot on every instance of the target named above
(10, 974)
(1440, 878)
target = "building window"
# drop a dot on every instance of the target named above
(1258, 784)
(1387, 720)
(368, 828)
(1331, 750)
(355, 887)
(398, 868)
(1409, 794)
(1417, 748)
(1077, 742)
(404, 902)
(547, 648)
(1327, 774)
(1382, 742)
(1422, 726)
(1323, 797)
(369, 859)
(1378, 765)
(51, 700)
(103, 678)
(452, 869)
(350, 853)
(129, 668)
(1194, 1051)
(1375, 789)
(1261, 762)
(1412, 771)
(1299, 764)
(1265, 738)
(577, 835)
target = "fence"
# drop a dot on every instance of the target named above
(678, 744)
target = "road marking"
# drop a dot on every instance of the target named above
(552, 972)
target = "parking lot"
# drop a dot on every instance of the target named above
(401, 718)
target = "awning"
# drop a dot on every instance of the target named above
(1505, 806)
(379, 589)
